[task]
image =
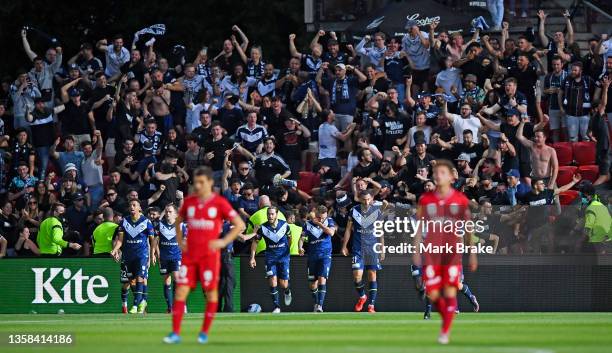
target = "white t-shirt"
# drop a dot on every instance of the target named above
(114, 61)
(328, 144)
(472, 123)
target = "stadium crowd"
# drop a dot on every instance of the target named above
(83, 133)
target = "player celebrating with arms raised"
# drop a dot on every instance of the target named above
(204, 213)
(135, 251)
(360, 224)
(317, 233)
(277, 235)
(442, 270)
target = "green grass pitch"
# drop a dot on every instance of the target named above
(324, 332)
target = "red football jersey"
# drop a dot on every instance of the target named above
(204, 220)
(443, 223)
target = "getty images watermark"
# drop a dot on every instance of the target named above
(411, 226)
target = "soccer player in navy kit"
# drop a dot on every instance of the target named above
(169, 251)
(360, 226)
(134, 237)
(317, 233)
(276, 234)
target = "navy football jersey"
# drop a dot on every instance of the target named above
(276, 238)
(363, 227)
(168, 246)
(319, 242)
(136, 237)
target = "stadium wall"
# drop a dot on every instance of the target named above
(502, 284)
(78, 285)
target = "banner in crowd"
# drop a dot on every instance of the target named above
(77, 285)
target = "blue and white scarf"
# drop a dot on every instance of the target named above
(344, 89)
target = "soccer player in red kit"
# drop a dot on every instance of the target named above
(204, 213)
(443, 212)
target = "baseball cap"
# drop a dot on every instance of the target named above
(73, 66)
(341, 66)
(77, 196)
(69, 167)
(74, 92)
(463, 157)
(424, 94)
(513, 173)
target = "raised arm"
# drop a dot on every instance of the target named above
(570, 28)
(575, 180)
(26, 45)
(243, 37)
(292, 49)
(541, 28)
(239, 49)
(315, 39)
(519, 135)
(488, 123)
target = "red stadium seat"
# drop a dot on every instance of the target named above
(584, 152)
(565, 175)
(564, 152)
(308, 181)
(589, 172)
(567, 197)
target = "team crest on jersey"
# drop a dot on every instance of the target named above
(212, 212)
(277, 235)
(431, 209)
(454, 209)
(366, 221)
(191, 211)
(134, 230)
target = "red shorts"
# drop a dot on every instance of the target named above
(439, 276)
(205, 269)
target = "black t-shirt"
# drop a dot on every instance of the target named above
(266, 167)
(136, 71)
(202, 134)
(539, 206)
(475, 67)
(75, 119)
(526, 81)
(100, 113)
(231, 119)
(393, 128)
(366, 171)
(218, 147)
(292, 144)
(227, 63)
(42, 127)
(475, 151)
(510, 132)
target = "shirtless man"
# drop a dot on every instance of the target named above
(158, 101)
(544, 161)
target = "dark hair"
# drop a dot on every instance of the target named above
(467, 131)
(203, 171)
